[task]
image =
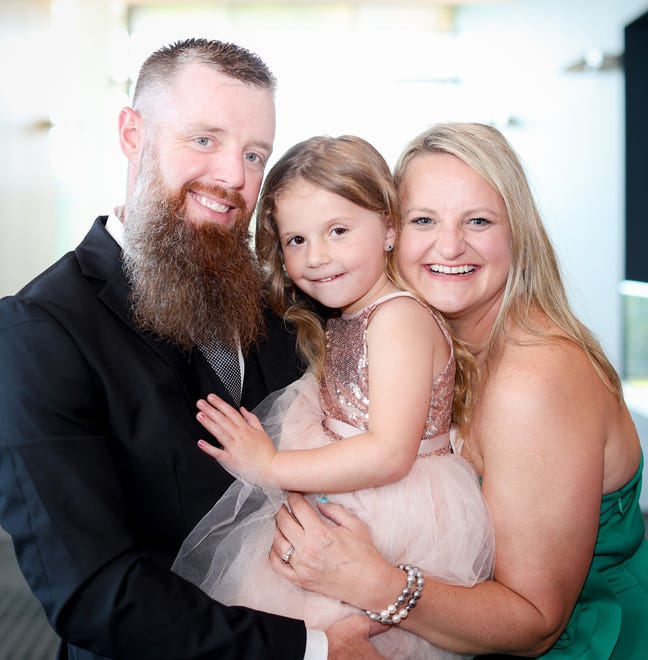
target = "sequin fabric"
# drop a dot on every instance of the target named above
(345, 386)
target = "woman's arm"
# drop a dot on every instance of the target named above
(405, 349)
(541, 426)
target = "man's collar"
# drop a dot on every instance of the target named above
(115, 227)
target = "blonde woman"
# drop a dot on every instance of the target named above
(550, 435)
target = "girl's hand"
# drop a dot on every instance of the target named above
(334, 555)
(247, 449)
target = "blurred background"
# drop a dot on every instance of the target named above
(566, 82)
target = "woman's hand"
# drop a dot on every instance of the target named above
(247, 449)
(333, 556)
(348, 639)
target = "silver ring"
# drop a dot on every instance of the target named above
(285, 558)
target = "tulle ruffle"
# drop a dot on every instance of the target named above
(434, 518)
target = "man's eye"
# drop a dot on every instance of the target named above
(251, 157)
(203, 141)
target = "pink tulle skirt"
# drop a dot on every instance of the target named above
(435, 518)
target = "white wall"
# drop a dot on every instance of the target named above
(571, 132)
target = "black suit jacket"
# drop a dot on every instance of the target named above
(100, 476)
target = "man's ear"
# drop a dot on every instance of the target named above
(131, 134)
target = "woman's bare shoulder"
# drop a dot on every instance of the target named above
(550, 363)
(545, 384)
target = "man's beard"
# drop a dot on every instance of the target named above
(190, 283)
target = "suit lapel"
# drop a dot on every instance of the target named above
(269, 367)
(272, 364)
(100, 258)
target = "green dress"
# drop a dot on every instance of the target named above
(610, 619)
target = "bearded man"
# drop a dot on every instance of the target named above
(105, 354)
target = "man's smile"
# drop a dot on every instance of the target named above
(210, 203)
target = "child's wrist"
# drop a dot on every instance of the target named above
(274, 470)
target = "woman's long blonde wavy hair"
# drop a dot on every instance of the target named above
(352, 168)
(534, 280)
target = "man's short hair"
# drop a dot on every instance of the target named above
(161, 67)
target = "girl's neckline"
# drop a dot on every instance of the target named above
(378, 301)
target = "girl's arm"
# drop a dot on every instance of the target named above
(406, 348)
(542, 426)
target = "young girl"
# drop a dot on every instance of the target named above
(368, 425)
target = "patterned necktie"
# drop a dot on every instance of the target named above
(224, 360)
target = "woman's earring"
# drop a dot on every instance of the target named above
(389, 247)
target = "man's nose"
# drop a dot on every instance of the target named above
(228, 169)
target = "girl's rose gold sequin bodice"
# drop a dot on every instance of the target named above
(345, 386)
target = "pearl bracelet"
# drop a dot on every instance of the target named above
(406, 601)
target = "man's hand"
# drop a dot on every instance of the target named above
(348, 639)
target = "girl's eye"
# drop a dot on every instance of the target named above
(296, 240)
(338, 231)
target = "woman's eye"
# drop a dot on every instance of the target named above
(422, 221)
(480, 222)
